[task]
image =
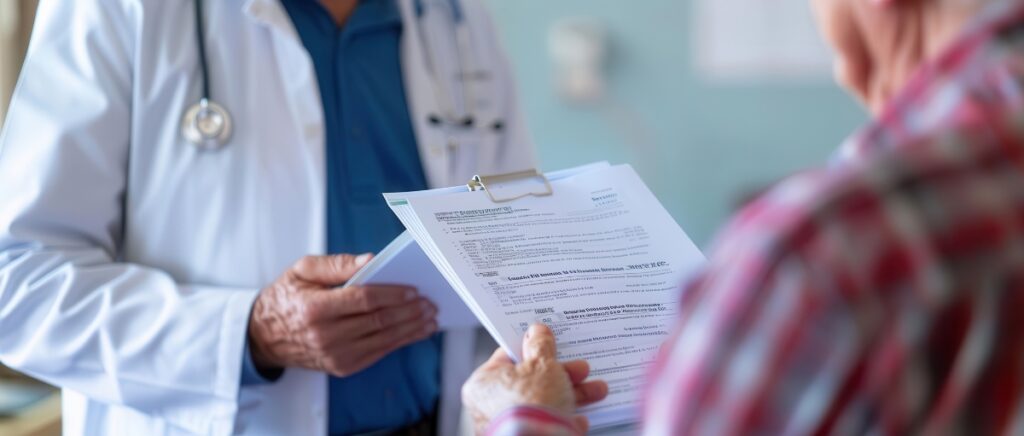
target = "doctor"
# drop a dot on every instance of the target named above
(172, 176)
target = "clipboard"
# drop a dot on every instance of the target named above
(503, 188)
(404, 262)
(511, 268)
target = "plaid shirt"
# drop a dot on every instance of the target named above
(882, 294)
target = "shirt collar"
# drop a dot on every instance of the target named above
(375, 13)
(368, 14)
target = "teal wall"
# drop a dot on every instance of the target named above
(707, 143)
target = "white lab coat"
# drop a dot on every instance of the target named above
(129, 259)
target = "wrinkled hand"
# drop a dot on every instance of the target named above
(304, 320)
(540, 380)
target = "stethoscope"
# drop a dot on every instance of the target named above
(447, 116)
(207, 125)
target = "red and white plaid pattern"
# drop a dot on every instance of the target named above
(531, 420)
(883, 294)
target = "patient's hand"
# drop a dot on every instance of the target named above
(540, 380)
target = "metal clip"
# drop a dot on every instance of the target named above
(481, 183)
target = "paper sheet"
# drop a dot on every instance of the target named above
(402, 262)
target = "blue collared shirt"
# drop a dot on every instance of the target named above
(370, 149)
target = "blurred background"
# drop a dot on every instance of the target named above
(710, 100)
(27, 407)
(16, 18)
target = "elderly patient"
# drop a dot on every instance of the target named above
(882, 294)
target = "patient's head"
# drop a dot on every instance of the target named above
(880, 43)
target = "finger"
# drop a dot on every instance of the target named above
(358, 300)
(590, 392)
(582, 423)
(578, 370)
(388, 340)
(410, 335)
(330, 270)
(348, 328)
(539, 343)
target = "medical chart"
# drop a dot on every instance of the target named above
(600, 261)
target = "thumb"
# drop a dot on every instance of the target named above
(539, 343)
(333, 270)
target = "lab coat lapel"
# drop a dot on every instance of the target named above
(420, 94)
(294, 67)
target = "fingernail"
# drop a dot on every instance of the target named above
(410, 295)
(430, 328)
(426, 310)
(363, 258)
(534, 329)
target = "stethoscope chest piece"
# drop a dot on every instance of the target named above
(206, 125)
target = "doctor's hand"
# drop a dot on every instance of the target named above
(540, 380)
(304, 320)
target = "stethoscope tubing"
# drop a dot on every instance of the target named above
(445, 118)
(204, 67)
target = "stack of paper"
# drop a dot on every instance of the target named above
(402, 262)
(599, 261)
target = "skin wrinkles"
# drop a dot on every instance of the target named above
(304, 320)
(540, 380)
